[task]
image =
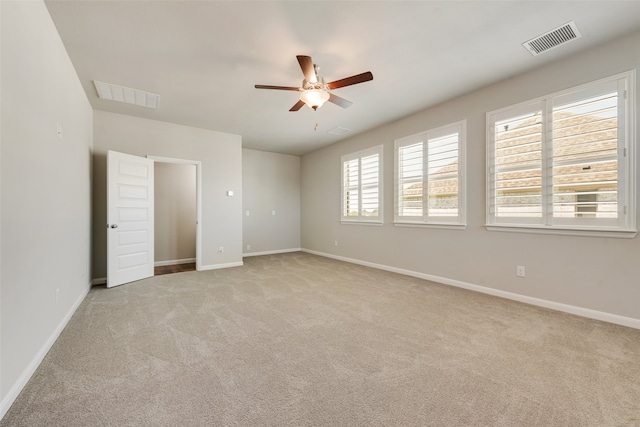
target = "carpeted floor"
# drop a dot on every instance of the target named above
(301, 340)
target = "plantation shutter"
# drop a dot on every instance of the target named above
(351, 188)
(361, 186)
(565, 161)
(410, 180)
(517, 183)
(370, 166)
(429, 177)
(443, 175)
(585, 155)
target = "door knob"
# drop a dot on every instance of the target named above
(114, 225)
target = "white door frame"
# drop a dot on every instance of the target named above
(198, 165)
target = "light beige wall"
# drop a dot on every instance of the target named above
(221, 157)
(175, 211)
(46, 192)
(600, 274)
(2, 394)
(271, 182)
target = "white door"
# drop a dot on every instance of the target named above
(129, 218)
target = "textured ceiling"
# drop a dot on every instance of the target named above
(203, 58)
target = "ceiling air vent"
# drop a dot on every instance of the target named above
(339, 131)
(553, 38)
(127, 95)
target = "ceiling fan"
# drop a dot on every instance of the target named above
(314, 91)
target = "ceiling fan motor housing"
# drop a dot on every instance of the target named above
(319, 85)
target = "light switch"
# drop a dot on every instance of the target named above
(229, 193)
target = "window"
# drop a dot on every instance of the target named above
(361, 186)
(429, 177)
(565, 161)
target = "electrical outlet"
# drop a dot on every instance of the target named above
(59, 131)
(335, 243)
(248, 247)
(247, 213)
(520, 271)
(221, 249)
(273, 212)
(57, 295)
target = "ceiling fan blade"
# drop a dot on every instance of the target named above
(309, 71)
(340, 101)
(277, 87)
(359, 78)
(298, 106)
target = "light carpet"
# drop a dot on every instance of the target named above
(301, 340)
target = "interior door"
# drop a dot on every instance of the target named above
(129, 218)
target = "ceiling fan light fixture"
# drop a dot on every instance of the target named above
(314, 98)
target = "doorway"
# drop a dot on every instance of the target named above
(177, 215)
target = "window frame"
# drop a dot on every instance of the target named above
(427, 220)
(362, 219)
(625, 224)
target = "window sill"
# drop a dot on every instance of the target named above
(375, 223)
(444, 225)
(602, 232)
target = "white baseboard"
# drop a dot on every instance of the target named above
(103, 280)
(218, 266)
(174, 262)
(26, 375)
(579, 311)
(279, 251)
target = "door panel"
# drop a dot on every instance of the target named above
(130, 218)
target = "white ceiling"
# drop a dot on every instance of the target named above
(204, 57)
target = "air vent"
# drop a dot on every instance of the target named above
(339, 131)
(127, 95)
(553, 38)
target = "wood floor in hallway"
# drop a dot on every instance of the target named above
(177, 268)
